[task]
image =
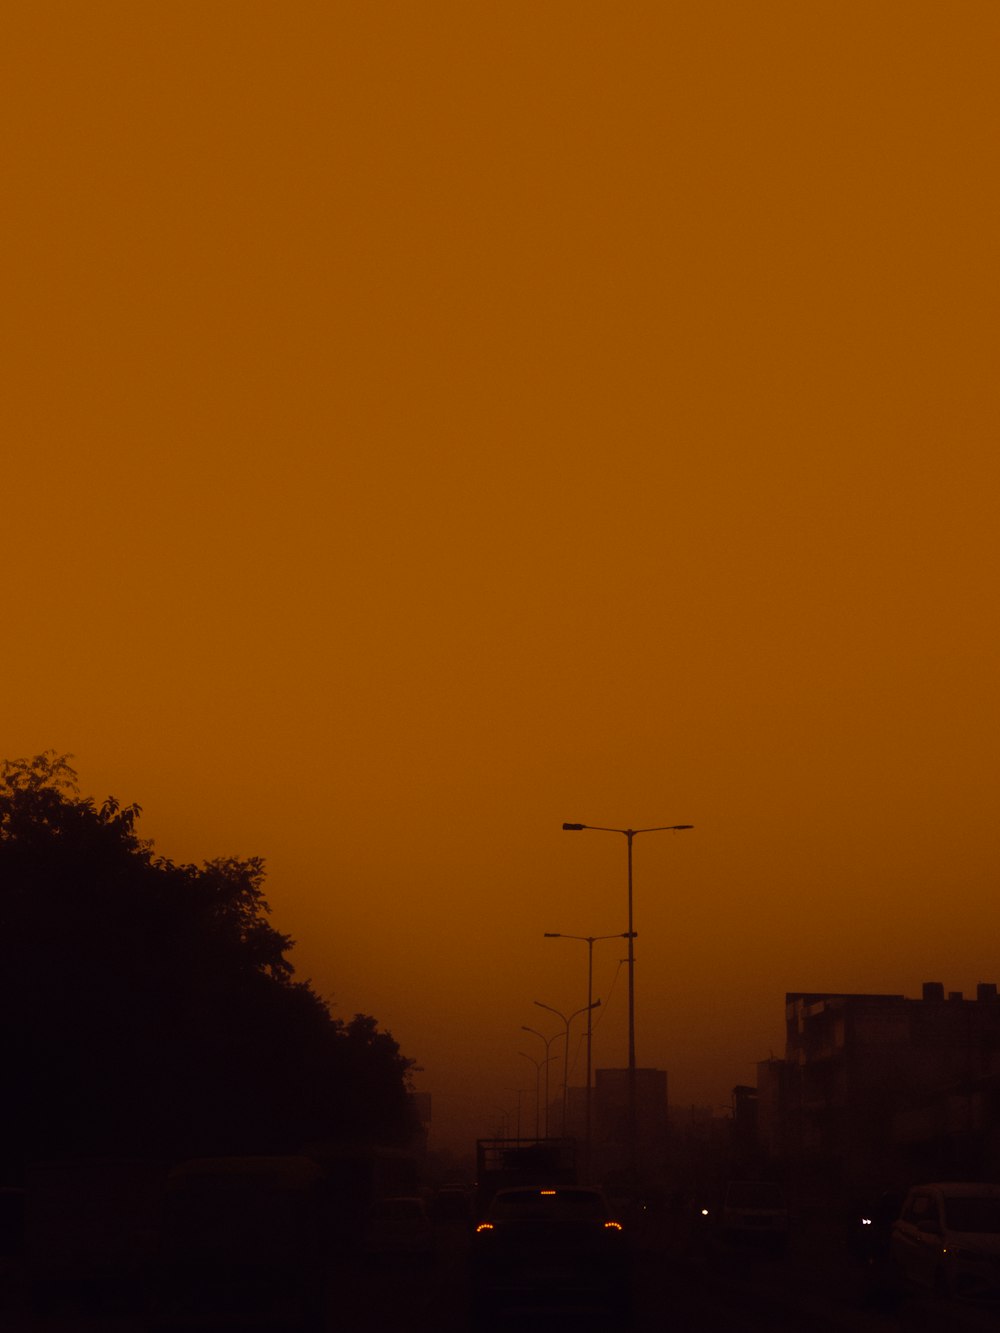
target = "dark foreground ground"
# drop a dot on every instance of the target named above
(678, 1287)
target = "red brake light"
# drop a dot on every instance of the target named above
(612, 1226)
(485, 1226)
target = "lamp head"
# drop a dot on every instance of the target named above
(573, 828)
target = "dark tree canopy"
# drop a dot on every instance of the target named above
(150, 1008)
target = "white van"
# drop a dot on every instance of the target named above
(947, 1238)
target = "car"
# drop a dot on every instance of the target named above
(399, 1227)
(749, 1215)
(947, 1239)
(549, 1246)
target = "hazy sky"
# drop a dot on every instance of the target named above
(426, 423)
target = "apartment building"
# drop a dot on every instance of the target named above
(880, 1089)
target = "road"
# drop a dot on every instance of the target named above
(677, 1286)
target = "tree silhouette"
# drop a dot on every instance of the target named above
(149, 1008)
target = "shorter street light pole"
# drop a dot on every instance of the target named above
(538, 1078)
(548, 1042)
(590, 941)
(567, 1021)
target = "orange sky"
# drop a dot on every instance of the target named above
(427, 423)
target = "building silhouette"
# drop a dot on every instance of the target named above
(878, 1090)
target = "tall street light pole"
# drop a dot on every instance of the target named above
(590, 941)
(548, 1042)
(629, 834)
(567, 1021)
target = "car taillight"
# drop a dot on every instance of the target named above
(484, 1226)
(612, 1226)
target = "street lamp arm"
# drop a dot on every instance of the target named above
(628, 832)
(555, 1036)
(587, 939)
(662, 828)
